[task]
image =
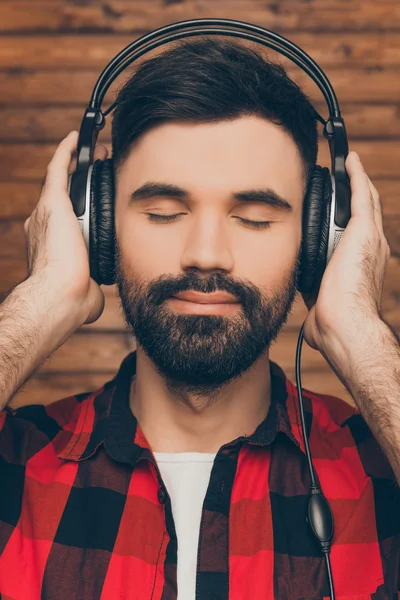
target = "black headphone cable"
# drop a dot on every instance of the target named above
(320, 517)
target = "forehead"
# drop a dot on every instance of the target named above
(244, 153)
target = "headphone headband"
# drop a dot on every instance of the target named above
(198, 27)
(209, 31)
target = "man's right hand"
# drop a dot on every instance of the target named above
(56, 251)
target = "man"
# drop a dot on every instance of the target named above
(186, 474)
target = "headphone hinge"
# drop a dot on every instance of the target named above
(93, 121)
(335, 133)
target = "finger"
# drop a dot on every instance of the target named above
(57, 170)
(72, 164)
(377, 205)
(375, 193)
(100, 153)
(361, 200)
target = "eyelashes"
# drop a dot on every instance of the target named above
(168, 218)
(162, 218)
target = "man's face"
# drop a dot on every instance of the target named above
(214, 178)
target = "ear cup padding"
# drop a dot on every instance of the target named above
(316, 220)
(102, 223)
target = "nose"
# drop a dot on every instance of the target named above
(207, 246)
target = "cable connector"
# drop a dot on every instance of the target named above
(320, 518)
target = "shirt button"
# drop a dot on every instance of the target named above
(162, 496)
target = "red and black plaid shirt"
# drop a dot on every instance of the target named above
(85, 515)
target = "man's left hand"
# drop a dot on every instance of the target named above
(349, 298)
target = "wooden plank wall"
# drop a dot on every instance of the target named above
(51, 53)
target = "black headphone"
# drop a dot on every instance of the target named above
(326, 208)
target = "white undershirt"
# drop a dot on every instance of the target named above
(186, 476)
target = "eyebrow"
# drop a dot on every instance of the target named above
(152, 189)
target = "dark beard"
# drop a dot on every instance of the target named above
(201, 353)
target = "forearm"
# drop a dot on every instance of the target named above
(32, 325)
(370, 370)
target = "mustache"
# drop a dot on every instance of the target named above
(167, 286)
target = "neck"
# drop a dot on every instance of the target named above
(186, 422)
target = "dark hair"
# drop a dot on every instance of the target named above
(212, 80)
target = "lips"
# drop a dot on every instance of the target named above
(213, 298)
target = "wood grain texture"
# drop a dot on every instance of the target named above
(142, 15)
(84, 51)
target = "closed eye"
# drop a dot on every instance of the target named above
(167, 218)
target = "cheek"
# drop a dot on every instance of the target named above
(149, 250)
(269, 260)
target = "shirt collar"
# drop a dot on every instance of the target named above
(104, 418)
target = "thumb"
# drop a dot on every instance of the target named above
(97, 302)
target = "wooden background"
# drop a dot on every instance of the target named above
(51, 53)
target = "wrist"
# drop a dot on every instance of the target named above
(356, 352)
(33, 324)
(56, 314)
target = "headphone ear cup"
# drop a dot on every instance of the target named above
(316, 222)
(102, 223)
